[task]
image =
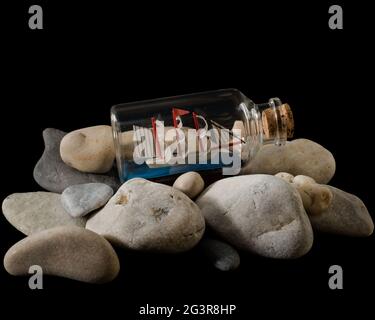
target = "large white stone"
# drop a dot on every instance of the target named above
(259, 213)
(144, 215)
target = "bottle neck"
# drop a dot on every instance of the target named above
(275, 121)
(267, 123)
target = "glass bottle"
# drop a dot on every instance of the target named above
(216, 131)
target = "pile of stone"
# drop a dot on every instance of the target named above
(270, 209)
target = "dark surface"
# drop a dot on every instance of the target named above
(93, 56)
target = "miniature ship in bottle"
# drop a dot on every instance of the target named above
(218, 130)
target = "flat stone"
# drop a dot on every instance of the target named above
(32, 212)
(347, 215)
(69, 252)
(144, 215)
(52, 174)
(223, 256)
(190, 183)
(298, 157)
(81, 199)
(89, 149)
(259, 213)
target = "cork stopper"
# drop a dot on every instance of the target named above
(279, 122)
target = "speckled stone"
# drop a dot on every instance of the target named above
(145, 215)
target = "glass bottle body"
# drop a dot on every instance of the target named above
(218, 130)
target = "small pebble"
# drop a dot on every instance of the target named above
(223, 256)
(285, 176)
(190, 183)
(315, 197)
(81, 199)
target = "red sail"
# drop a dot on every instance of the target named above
(176, 113)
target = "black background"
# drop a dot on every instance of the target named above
(91, 56)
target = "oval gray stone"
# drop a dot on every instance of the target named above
(89, 149)
(68, 252)
(144, 215)
(259, 213)
(298, 157)
(81, 199)
(347, 215)
(52, 174)
(32, 212)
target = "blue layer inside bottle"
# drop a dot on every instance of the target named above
(133, 170)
